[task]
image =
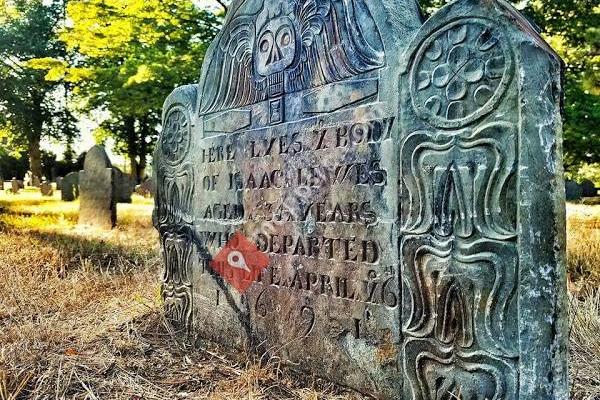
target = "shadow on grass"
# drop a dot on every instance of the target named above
(77, 251)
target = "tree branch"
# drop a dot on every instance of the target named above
(222, 3)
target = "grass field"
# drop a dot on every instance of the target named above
(80, 314)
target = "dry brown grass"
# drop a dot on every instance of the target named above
(80, 315)
(583, 257)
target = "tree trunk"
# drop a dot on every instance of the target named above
(129, 126)
(35, 160)
(143, 148)
(35, 136)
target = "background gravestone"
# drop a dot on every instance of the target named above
(588, 188)
(15, 186)
(97, 205)
(69, 187)
(146, 188)
(46, 188)
(573, 191)
(413, 220)
(124, 186)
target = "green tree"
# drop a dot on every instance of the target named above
(30, 106)
(131, 55)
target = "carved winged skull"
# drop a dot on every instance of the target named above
(273, 47)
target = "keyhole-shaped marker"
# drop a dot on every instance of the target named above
(236, 259)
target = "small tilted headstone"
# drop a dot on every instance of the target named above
(588, 188)
(573, 191)
(46, 189)
(146, 188)
(97, 205)
(15, 186)
(373, 198)
(69, 187)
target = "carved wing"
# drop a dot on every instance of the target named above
(229, 81)
(339, 40)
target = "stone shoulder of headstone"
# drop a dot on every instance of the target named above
(124, 186)
(97, 200)
(59, 183)
(379, 197)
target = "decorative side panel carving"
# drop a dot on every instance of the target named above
(174, 175)
(459, 254)
(177, 279)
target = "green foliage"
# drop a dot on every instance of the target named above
(12, 165)
(29, 106)
(131, 55)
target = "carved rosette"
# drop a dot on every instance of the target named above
(460, 72)
(176, 136)
(458, 215)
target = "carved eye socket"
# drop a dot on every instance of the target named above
(264, 45)
(285, 39)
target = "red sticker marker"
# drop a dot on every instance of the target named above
(239, 262)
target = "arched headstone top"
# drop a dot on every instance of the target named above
(96, 159)
(270, 49)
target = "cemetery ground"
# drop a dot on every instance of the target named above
(80, 314)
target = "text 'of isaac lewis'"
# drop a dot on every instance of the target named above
(373, 197)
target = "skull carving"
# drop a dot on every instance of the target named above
(276, 46)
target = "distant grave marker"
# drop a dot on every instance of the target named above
(69, 187)
(97, 195)
(46, 189)
(124, 186)
(588, 188)
(573, 191)
(15, 186)
(402, 178)
(146, 188)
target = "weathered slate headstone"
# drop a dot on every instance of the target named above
(46, 189)
(97, 205)
(124, 186)
(69, 187)
(404, 182)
